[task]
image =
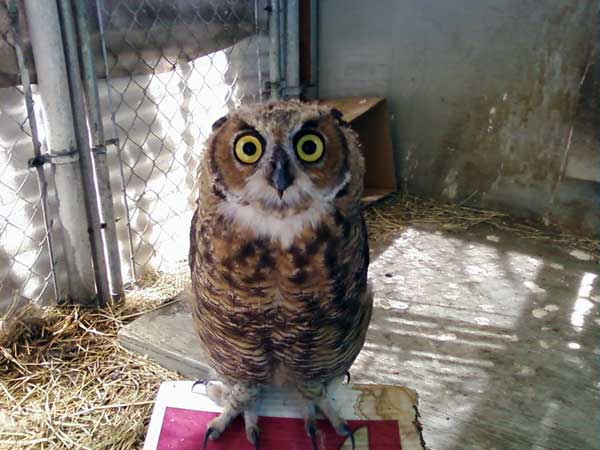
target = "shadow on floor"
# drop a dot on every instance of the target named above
(500, 339)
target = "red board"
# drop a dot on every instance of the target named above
(184, 429)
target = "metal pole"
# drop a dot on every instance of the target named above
(37, 161)
(314, 48)
(91, 204)
(281, 11)
(46, 41)
(119, 148)
(292, 58)
(274, 51)
(258, 49)
(99, 148)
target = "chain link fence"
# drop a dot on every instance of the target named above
(166, 71)
(25, 263)
(173, 68)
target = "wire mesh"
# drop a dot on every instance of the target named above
(172, 69)
(25, 262)
(168, 70)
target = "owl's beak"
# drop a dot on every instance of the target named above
(281, 176)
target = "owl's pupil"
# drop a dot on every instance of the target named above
(249, 149)
(309, 147)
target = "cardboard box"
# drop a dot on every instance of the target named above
(382, 417)
(369, 117)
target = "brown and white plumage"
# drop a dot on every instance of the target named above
(279, 255)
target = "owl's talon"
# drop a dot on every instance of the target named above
(209, 431)
(312, 432)
(251, 425)
(326, 406)
(253, 437)
(347, 377)
(348, 432)
(197, 382)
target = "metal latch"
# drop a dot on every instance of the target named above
(53, 158)
(101, 149)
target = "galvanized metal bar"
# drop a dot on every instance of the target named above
(83, 142)
(314, 48)
(292, 54)
(258, 58)
(41, 177)
(274, 50)
(47, 45)
(94, 115)
(282, 46)
(116, 140)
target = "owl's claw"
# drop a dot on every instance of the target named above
(196, 383)
(251, 425)
(343, 430)
(209, 431)
(312, 432)
(325, 405)
(236, 400)
(253, 437)
(347, 377)
(348, 432)
(217, 426)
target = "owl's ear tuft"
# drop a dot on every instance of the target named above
(219, 123)
(338, 115)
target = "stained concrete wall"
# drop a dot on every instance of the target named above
(482, 93)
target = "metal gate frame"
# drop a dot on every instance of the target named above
(77, 147)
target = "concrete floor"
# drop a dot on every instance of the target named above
(499, 336)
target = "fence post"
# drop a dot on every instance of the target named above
(314, 49)
(292, 56)
(46, 41)
(38, 159)
(91, 204)
(96, 127)
(274, 50)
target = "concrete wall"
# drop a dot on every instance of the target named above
(482, 93)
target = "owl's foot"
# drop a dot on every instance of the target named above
(239, 399)
(252, 430)
(310, 423)
(219, 424)
(338, 424)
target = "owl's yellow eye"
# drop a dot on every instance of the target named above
(310, 147)
(248, 149)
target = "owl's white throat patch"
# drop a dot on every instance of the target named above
(276, 227)
(259, 209)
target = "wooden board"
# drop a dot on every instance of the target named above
(168, 337)
(382, 418)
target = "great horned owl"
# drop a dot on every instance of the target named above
(279, 258)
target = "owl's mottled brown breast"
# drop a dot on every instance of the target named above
(260, 308)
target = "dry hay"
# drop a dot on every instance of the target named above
(399, 212)
(67, 383)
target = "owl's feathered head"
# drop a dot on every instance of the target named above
(283, 155)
